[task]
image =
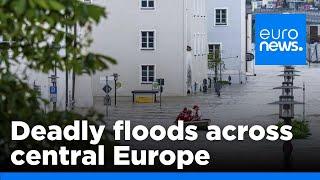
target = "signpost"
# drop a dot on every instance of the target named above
(37, 88)
(107, 100)
(115, 76)
(53, 91)
(107, 89)
(53, 94)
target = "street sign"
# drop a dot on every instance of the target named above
(103, 79)
(107, 100)
(53, 94)
(53, 98)
(53, 90)
(118, 85)
(107, 89)
(249, 57)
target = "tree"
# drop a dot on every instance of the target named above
(35, 32)
(215, 62)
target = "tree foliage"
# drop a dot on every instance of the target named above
(38, 34)
(35, 31)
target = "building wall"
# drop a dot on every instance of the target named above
(119, 37)
(196, 31)
(249, 45)
(232, 37)
(177, 24)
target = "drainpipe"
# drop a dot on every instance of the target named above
(184, 50)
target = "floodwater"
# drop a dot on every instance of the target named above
(239, 104)
(247, 104)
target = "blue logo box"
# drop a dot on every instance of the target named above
(281, 39)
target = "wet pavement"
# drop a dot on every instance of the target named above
(246, 104)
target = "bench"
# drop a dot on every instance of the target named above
(153, 92)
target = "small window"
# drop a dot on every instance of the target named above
(147, 4)
(147, 40)
(221, 17)
(147, 74)
(215, 50)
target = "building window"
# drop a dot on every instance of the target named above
(147, 4)
(221, 18)
(215, 50)
(147, 40)
(314, 35)
(147, 74)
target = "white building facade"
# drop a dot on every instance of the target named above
(295, 4)
(256, 4)
(227, 33)
(265, 4)
(150, 39)
(153, 39)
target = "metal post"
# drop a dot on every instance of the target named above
(220, 71)
(161, 88)
(115, 76)
(67, 76)
(115, 92)
(53, 98)
(55, 85)
(73, 73)
(309, 56)
(240, 71)
(55, 103)
(317, 57)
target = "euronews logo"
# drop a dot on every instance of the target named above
(280, 39)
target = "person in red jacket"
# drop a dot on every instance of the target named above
(188, 116)
(182, 114)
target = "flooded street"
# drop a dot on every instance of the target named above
(246, 104)
(238, 104)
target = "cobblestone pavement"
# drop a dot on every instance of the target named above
(246, 104)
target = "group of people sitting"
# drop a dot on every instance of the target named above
(193, 114)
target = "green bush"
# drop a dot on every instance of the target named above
(223, 82)
(300, 129)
